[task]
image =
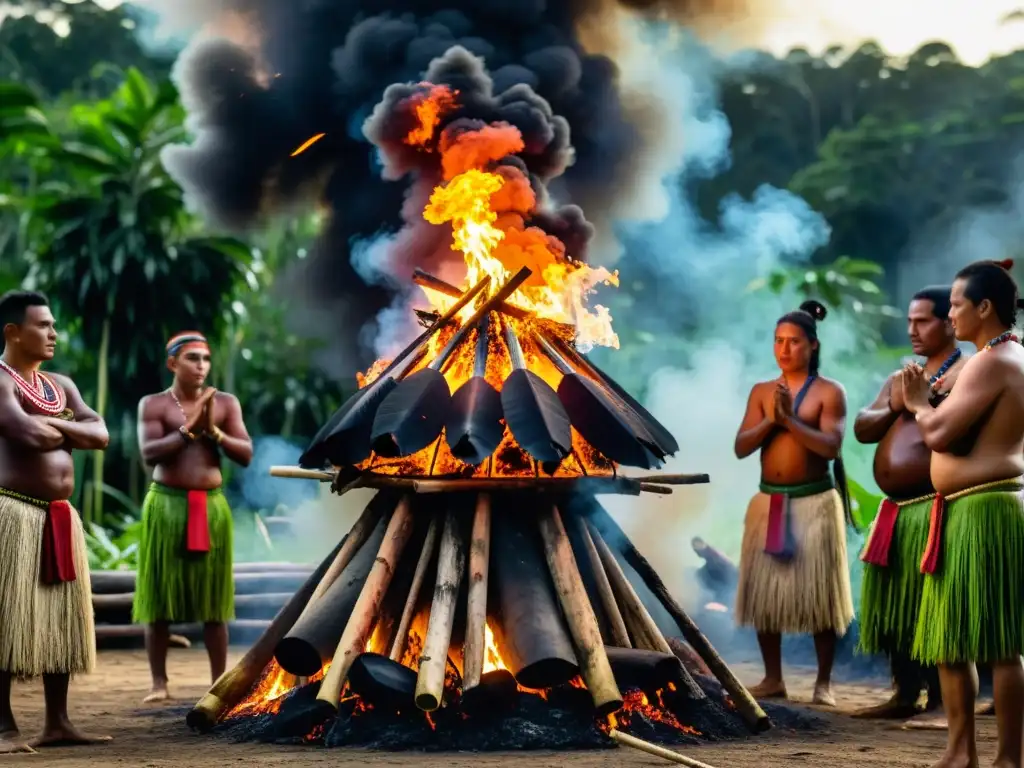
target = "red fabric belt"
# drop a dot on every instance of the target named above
(933, 550)
(197, 530)
(57, 563)
(779, 538)
(877, 550)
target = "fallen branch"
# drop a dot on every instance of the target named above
(653, 749)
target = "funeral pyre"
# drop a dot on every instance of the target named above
(484, 598)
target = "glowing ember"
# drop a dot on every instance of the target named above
(636, 703)
(266, 698)
(372, 373)
(307, 144)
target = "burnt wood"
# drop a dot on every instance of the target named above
(533, 412)
(647, 670)
(382, 682)
(529, 630)
(313, 639)
(413, 414)
(345, 438)
(474, 427)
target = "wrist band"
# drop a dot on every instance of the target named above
(217, 435)
(187, 436)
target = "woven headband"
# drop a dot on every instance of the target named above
(187, 340)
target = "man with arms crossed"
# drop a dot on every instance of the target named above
(972, 604)
(891, 593)
(185, 559)
(46, 620)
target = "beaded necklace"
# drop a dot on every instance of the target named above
(47, 397)
(940, 375)
(1000, 339)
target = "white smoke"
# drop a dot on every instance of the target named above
(703, 269)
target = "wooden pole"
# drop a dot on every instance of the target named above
(402, 633)
(360, 623)
(586, 634)
(298, 473)
(617, 626)
(355, 539)
(746, 705)
(234, 684)
(641, 625)
(451, 561)
(653, 749)
(476, 605)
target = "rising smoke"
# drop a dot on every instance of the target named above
(643, 126)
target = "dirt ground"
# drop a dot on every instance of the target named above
(156, 736)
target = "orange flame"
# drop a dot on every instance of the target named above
(430, 107)
(488, 208)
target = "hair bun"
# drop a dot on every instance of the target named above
(815, 309)
(1006, 264)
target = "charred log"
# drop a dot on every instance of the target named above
(529, 630)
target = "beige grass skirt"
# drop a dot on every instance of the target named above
(809, 593)
(44, 628)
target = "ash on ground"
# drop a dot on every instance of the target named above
(564, 721)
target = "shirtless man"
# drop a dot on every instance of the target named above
(46, 621)
(891, 594)
(972, 604)
(185, 558)
(794, 575)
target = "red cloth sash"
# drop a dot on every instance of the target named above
(933, 550)
(197, 530)
(877, 550)
(779, 539)
(58, 562)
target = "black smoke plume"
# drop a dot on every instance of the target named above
(322, 66)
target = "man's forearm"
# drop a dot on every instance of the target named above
(83, 435)
(163, 448)
(237, 449)
(872, 424)
(825, 445)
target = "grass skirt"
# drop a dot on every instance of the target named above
(809, 593)
(174, 585)
(972, 608)
(44, 628)
(891, 596)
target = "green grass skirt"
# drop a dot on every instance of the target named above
(972, 608)
(178, 586)
(890, 597)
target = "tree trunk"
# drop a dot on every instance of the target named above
(96, 511)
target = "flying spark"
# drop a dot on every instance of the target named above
(308, 143)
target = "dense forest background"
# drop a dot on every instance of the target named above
(896, 154)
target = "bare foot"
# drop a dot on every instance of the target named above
(823, 695)
(65, 735)
(987, 709)
(159, 693)
(11, 743)
(956, 761)
(932, 721)
(769, 689)
(893, 709)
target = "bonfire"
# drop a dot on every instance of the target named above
(484, 577)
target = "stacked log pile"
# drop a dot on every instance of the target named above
(261, 590)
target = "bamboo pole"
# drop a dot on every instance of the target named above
(233, 685)
(746, 705)
(360, 623)
(451, 561)
(653, 749)
(476, 605)
(402, 633)
(594, 665)
(642, 626)
(617, 626)
(355, 539)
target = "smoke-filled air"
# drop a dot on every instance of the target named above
(475, 139)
